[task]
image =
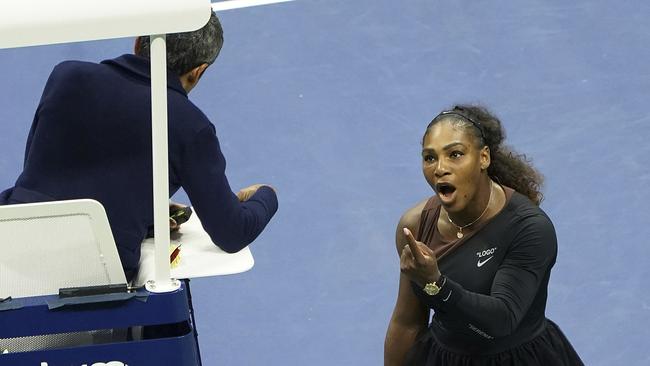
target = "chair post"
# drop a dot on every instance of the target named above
(158, 56)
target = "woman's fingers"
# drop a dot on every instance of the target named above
(414, 247)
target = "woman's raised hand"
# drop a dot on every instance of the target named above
(418, 261)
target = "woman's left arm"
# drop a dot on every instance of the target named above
(515, 285)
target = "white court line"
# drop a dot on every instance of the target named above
(236, 4)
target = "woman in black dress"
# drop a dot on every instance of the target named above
(481, 256)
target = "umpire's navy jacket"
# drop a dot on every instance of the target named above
(91, 138)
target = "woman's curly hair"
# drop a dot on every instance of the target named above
(507, 167)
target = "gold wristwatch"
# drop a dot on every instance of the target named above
(433, 288)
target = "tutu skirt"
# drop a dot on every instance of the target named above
(549, 348)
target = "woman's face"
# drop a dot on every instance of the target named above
(453, 165)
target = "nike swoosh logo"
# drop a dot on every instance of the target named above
(448, 296)
(481, 263)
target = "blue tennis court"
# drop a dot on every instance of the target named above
(328, 100)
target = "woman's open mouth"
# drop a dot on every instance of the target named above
(445, 192)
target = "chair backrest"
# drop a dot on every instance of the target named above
(51, 245)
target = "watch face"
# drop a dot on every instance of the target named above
(431, 289)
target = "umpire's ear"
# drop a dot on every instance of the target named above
(192, 77)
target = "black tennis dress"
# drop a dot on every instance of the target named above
(491, 308)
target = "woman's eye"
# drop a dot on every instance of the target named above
(428, 158)
(456, 154)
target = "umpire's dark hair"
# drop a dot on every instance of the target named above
(188, 50)
(506, 167)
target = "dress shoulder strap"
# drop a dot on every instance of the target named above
(428, 219)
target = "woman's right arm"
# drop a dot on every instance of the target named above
(409, 316)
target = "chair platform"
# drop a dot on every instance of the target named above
(35, 319)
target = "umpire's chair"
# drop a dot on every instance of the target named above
(46, 247)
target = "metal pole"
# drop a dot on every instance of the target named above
(158, 56)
